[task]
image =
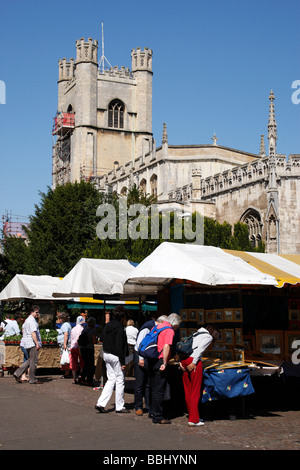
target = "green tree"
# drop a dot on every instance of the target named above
(240, 240)
(122, 248)
(63, 224)
(216, 234)
(13, 260)
(63, 230)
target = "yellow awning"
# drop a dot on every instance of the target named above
(91, 300)
(285, 268)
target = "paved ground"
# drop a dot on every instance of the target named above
(57, 415)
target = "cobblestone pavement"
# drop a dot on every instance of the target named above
(269, 422)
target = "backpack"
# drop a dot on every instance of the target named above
(83, 339)
(185, 346)
(148, 346)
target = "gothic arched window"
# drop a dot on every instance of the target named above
(153, 185)
(252, 218)
(116, 114)
(143, 185)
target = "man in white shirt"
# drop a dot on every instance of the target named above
(32, 342)
(10, 327)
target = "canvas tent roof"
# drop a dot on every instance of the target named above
(285, 268)
(24, 286)
(201, 264)
(92, 277)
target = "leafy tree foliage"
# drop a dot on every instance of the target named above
(63, 230)
(62, 225)
(13, 260)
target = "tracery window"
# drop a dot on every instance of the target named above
(153, 185)
(116, 114)
(143, 186)
(253, 220)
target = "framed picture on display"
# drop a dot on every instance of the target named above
(238, 314)
(184, 315)
(193, 315)
(201, 316)
(229, 336)
(219, 315)
(228, 314)
(209, 316)
(269, 341)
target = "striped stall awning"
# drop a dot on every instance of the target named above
(285, 268)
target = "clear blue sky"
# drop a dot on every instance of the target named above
(214, 65)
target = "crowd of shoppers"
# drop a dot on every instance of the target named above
(120, 345)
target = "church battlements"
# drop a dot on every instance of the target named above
(125, 171)
(86, 51)
(66, 70)
(141, 59)
(121, 74)
(249, 174)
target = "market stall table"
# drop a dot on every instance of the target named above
(49, 356)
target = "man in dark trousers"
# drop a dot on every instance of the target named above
(115, 350)
(158, 367)
(141, 372)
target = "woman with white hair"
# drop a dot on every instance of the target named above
(174, 320)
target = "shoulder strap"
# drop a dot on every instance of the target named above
(163, 328)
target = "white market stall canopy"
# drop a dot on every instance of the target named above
(96, 277)
(206, 265)
(24, 286)
(197, 263)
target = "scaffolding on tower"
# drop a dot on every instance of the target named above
(13, 226)
(62, 130)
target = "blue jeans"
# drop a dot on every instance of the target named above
(25, 352)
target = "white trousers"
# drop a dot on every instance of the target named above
(115, 379)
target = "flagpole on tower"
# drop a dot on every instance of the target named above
(103, 58)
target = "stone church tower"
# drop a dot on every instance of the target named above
(103, 117)
(103, 133)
